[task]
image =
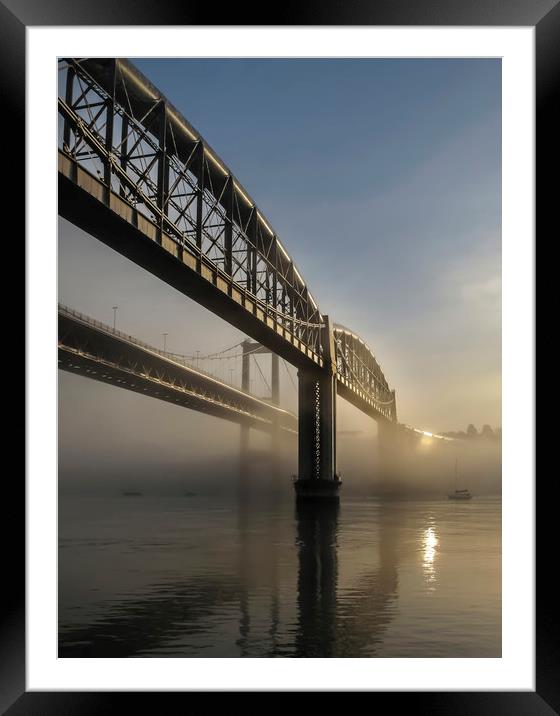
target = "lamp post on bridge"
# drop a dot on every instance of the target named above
(164, 340)
(115, 308)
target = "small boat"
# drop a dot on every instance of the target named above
(131, 493)
(459, 494)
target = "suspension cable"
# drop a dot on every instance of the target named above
(289, 375)
(203, 357)
(262, 374)
(218, 356)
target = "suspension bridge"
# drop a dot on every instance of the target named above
(135, 174)
(94, 350)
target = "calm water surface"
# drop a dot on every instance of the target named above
(200, 576)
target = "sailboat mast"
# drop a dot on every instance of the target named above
(455, 474)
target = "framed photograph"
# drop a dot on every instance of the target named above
(280, 427)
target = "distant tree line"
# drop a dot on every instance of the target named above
(487, 433)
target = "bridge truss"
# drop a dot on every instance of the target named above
(124, 142)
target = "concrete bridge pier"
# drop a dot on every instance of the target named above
(397, 457)
(387, 451)
(317, 478)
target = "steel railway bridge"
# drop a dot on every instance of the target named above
(134, 173)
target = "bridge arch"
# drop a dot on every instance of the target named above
(359, 375)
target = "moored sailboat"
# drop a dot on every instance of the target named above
(459, 494)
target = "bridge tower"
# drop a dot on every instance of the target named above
(250, 348)
(317, 478)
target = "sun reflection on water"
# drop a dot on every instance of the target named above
(430, 542)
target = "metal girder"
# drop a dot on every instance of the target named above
(171, 179)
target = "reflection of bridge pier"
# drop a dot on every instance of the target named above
(328, 624)
(317, 577)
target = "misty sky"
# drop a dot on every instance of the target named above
(383, 180)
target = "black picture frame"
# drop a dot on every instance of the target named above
(15, 16)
